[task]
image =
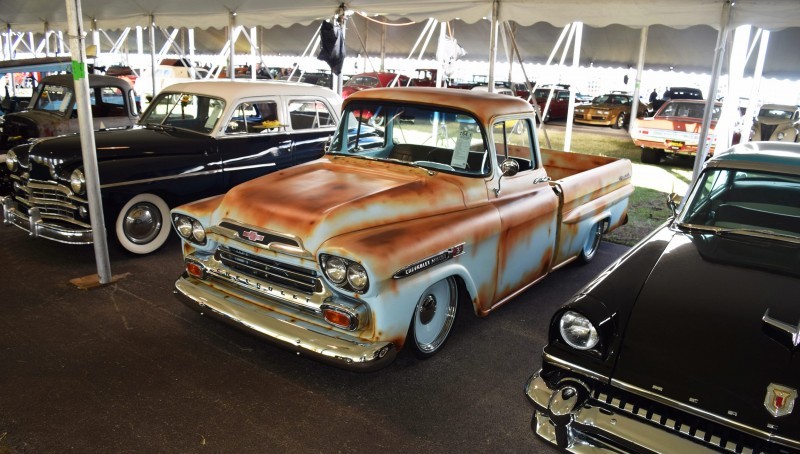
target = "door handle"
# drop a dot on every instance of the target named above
(541, 180)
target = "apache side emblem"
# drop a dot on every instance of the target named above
(780, 399)
(252, 236)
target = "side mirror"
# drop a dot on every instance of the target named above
(673, 201)
(509, 168)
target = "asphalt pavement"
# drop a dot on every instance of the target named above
(128, 368)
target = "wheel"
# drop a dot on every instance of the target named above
(651, 155)
(433, 317)
(379, 120)
(620, 123)
(546, 118)
(592, 243)
(143, 224)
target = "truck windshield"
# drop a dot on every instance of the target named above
(184, 110)
(54, 98)
(436, 139)
(745, 201)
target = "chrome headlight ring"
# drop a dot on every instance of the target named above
(12, 162)
(189, 229)
(578, 331)
(345, 274)
(77, 181)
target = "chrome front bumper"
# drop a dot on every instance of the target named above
(38, 228)
(591, 429)
(324, 345)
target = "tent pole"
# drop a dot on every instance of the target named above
(576, 60)
(232, 41)
(730, 105)
(383, 47)
(719, 54)
(638, 85)
(493, 42)
(440, 70)
(80, 75)
(152, 37)
(757, 72)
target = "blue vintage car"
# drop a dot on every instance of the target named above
(195, 140)
(689, 342)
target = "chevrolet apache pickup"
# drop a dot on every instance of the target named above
(449, 203)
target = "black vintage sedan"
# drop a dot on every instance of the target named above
(195, 140)
(689, 342)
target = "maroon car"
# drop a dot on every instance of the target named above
(365, 81)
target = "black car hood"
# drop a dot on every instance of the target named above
(696, 336)
(65, 151)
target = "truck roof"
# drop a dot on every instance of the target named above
(482, 105)
(236, 89)
(769, 156)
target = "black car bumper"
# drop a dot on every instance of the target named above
(37, 227)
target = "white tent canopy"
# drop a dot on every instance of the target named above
(35, 15)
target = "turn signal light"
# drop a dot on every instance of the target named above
(337, 318)
(195, 270)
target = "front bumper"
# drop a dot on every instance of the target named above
(325, 345)
(591, 429)
(39, 228)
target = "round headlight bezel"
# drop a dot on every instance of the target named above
(12, 162)
(189, 229)
(183, 226)
(77, 181)
(336, 269)
(577, 331)
(198, 232)
(357, 277)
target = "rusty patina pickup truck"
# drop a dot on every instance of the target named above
(448, 205)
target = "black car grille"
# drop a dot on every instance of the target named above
(712, 435)
(282, 274)
(767, 130)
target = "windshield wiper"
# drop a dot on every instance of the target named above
(160, 126)
(769, 234)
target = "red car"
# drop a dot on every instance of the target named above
(364, 81)
(559, 103)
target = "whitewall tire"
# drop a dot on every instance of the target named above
(143, 224)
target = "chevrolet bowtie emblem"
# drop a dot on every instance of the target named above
(780, 399)
(252, 236)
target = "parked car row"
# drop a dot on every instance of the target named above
(349, 237)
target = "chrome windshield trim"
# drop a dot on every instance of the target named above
(707, 415)
(151, 180)
(573, 368)
(754, 233)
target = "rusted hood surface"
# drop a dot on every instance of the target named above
(335, 195)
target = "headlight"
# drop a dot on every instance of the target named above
(578, 331)
(578, 110)
(780, 136)
(77, 181)
(336, 270)
(345, 274)
(189, 229)
(198, 232)
(11, 161)
(603, 112)
(183, 226)
(357, 276)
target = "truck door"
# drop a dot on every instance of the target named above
(255, 141)
(527, 206)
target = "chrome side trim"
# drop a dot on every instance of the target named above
(707, 415)
(152, 180)
(320, 343)
(546, 357)
(254, 166)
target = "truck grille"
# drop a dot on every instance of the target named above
(287, 276)
(710, 434)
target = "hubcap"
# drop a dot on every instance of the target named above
(427, 309)
(142, 223)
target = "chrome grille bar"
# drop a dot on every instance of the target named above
(282, 274)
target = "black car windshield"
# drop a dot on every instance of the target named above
(747, 202)
(184, 110)
(53, 98)
(420, 136)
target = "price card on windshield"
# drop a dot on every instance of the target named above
(461, 153)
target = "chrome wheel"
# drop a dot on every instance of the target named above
(433, 317)
(592, 243)
(620, 123)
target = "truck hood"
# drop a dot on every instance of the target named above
(696, 336)
(333, 195)
(65, 151)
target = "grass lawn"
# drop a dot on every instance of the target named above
(653, 183)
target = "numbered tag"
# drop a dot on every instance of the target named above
(461, 153)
